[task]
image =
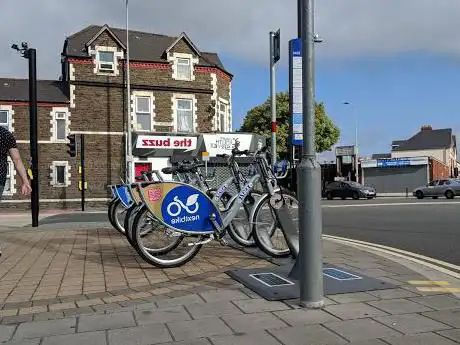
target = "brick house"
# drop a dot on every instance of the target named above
(175, 88)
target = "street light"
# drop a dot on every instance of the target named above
(31, 55)
(356, 139)
(128, 146)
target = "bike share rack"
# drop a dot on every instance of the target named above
(282, 283)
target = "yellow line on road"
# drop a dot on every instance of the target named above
(428, 282)
(439, 289)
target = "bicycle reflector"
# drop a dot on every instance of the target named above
(72, 151)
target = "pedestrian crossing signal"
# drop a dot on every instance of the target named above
(72, 151)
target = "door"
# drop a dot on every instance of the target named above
(139, 168)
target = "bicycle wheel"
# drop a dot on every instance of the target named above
(164, 255)
(130, 214)
(266, 229)
(109, 212)
(239, 229)
(118, 216)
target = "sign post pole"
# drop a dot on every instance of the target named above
(309, 179)
(274, 57)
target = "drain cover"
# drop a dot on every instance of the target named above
(334, 273)
(271, 279)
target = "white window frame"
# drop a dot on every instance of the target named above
(192, 98)
(225, 103)
(134, 111)
(53, 174)
(117, 55)
(56, 113)
(173, 58)
(12, 179)
(184, 62)
(9, 116)
(106, 66)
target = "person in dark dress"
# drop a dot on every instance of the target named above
(8, 147)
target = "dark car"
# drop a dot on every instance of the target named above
(348, 189)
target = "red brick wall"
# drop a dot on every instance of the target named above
(438, 170)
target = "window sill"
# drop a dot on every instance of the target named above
(112, 74)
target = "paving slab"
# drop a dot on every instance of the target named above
(212, 309)
(6, 332)
(38, 329)
(449, 317)
(90, 338)
(35, 341)
(208, 327)
(399, 306)
(141, 335)
(162, 315)
(453, 334)
(200, 341)
(245, 339)
(420, 339)
(369, 342)
(412, 323)
(259, 305)
(305, 317)
(98, 322)
(352, 297)
(307, 335)
(392, 293)
(438, 302)
(361, 329)
(183, 300)
(353, 311)
(223, 295)
(250, 322)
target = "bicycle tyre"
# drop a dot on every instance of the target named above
(258, 238)
(109, 212)
(245, 242)
(130, 214)
(152, 258)
(117, 224)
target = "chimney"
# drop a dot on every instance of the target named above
(426, 128)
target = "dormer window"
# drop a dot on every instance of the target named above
(184, 69)
(106, 61)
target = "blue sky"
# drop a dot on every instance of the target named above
(392, 96)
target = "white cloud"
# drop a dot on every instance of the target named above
(239, 28)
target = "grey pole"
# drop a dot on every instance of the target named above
(129, 157)
(309, 178)
(273, 96)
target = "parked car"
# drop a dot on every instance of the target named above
(449, 188)
(348, 189)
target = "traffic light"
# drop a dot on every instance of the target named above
(72, 151)
(276, 46)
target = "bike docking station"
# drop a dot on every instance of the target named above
(282, 282)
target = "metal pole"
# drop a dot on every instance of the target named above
(82, 165)
(309, 179)
(300, 15)
(356, 147)
(273, 96)
(129, 152)
(31, 54)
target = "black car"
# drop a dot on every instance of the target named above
(348, 189)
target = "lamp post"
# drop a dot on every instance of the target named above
(309, 175)
(31, 55)
(356, 139)
(128, 146)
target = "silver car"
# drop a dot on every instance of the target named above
(450, 188)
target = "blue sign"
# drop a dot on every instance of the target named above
(337, 274)
(295, 90)
(384, 163)
(181, 206)
(124, 196)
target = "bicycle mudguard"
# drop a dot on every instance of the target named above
(181, 207)
(124, 196)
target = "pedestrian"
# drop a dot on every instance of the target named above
(8, 147)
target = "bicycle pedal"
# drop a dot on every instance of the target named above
(223, 242)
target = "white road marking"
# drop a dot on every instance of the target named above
(420, 259)
(456, 203)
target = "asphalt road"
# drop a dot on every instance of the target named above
(426, 227)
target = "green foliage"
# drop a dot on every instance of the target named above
(258, 120)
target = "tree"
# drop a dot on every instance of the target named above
(258, 120)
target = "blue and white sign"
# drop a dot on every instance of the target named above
(124, 196)
(385, 163)
(181, 206)
(295, 89)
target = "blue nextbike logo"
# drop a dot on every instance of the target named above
(187, 208)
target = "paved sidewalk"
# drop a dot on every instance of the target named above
(89, 286)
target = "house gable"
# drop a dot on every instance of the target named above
(105, 37)
(183, 45)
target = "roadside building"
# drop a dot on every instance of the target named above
(430, 154)
(177, 90)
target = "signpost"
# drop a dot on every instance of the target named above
(274, 58)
